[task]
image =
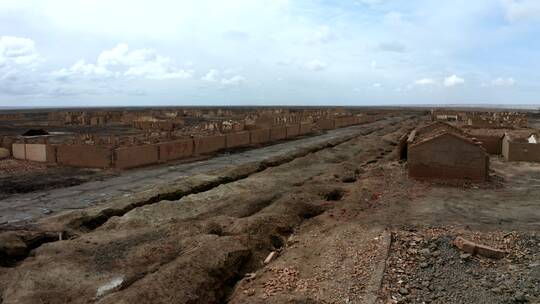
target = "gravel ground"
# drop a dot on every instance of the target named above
(425, 267)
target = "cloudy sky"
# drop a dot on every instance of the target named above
(278, 52)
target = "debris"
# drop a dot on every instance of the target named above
(478, 249)
(270, 257)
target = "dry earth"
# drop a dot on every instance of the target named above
(344, 223)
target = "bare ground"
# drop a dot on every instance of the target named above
(342, 222)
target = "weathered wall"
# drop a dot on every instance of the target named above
(492, 143)
(84, 156)
(259, 136)
(306, 128)
(51, 153)
(326, 124)
(447, 157)
(136, 156)
(175, 149)
(238, 139)
(522, 151)
(278, 133)
(292, 131)
(19, 151)
(209, 144)
(36, 152)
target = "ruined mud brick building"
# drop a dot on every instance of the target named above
(497, 120)
(521, 147)
(441, 151)
(200, 137)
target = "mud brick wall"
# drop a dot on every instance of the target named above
(239, 139)
(306, 128)
(175, 150)
(19, 151)
(326, 124)
(209, 144)
(84, 156)
(278, 133)
(259, 136)
(292, 131)
(51, 153)
(492, 143)
(36, 152)
(521, 151)
(136, 156)
(447, 157)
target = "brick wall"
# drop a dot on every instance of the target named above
(238, 139)
(447, 157)
(326, 124)
(306, 128)
(84, 156)
(175, 150)
(36, 152)
(292, 131)
(136, 156)
(209, 144)
(278, 133)
(19, 151)
(259, 136)
(492, 143)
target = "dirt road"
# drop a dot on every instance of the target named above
(27, 207)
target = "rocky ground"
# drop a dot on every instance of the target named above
(342, 224)
(425, 267)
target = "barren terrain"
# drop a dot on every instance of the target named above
(336, 218)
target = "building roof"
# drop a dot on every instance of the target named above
(430, 132)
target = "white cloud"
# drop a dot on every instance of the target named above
(453, 81)
(17, 50)
(377, 85)
(81, 68)
(425, 82)
(120, 61)
(235, 80)
(211, 76)
(520, 10)
(373, 64)
(316, 65)
(503, 82)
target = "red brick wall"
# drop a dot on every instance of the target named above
(175, 149)
(259, 136)
(239, 139)
(278, 133)
(293, 131)
(492, 144)
(209, 144)
(447, 157)
(326, 124)
(84, 156)
(306, 128)
(136, 156)
(522, 151)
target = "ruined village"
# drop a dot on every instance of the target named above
(269, 205)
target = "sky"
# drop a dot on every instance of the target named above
(269, 52)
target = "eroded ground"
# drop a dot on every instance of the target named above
(345, 222)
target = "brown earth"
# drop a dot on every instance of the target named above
(341, 221)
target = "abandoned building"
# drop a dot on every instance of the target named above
(442, 151)
(520, 147)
